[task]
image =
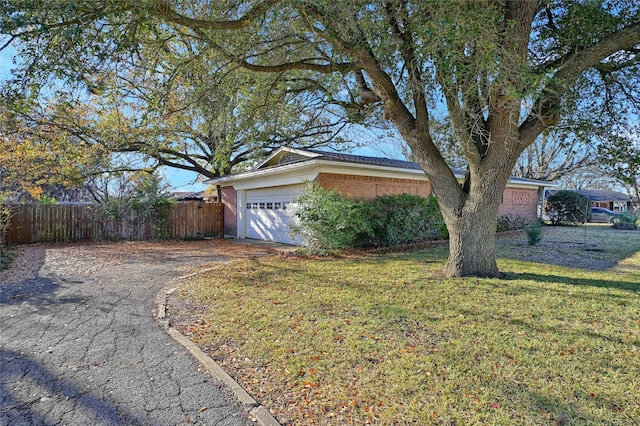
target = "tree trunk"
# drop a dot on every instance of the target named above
(472, 226)
(472, 243)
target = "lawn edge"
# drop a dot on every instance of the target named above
(257, 413)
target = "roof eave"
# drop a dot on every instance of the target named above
(324, 163)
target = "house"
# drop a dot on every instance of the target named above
(259, 203)
(612, 200)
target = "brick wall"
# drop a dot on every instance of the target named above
(229, 199)
(519, 203)
(370, 187)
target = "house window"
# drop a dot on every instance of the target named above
(285, 205)
(277, 205)
(262, 205)
(249, 206)
(269, 206)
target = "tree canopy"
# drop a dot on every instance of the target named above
(500, 72)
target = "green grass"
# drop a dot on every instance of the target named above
(383, 339)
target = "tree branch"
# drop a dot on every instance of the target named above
(162, 9)
(545, 112)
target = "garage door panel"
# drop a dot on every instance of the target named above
(270, 211)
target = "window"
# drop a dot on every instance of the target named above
(277, 205)
(269, 206)
(262, 205)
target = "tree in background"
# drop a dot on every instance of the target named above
(506, 71)
(176, 103)
(621, 160)
(36, 158)
(554, 155)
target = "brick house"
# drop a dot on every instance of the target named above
(259, 203)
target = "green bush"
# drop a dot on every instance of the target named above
(406, 219)
(625, 221)
(534, 232)
(568, 208)
(327, 220)
(5, 221)
(148, 202)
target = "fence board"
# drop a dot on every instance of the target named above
(62, 223)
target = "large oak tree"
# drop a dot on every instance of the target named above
(504, 71)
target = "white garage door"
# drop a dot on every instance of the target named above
(269, 212)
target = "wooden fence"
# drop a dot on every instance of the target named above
(61, 223)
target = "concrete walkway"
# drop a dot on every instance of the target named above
(81, 349)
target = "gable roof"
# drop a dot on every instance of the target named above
(287, 159)
(288, 156)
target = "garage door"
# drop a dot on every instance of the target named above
(269, 212)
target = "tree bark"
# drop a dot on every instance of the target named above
(472, 216)
(472, 236)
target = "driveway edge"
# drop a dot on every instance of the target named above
(258, 413)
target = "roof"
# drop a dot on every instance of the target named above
(187, 195)
(286, 158)
(602, 195)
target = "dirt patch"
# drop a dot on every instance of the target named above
(89, 258)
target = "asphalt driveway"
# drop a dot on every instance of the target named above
(79, 344)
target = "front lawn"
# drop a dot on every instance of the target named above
(383, 339)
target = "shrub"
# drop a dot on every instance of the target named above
(149, 205)
(5, 218)
(510, 223)
(405, 219)
(327, 220)
(534, 232)
(625, 221)
(567, 208)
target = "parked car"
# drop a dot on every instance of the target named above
(601, 215)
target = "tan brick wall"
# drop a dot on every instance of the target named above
(516, 202)
(519, 203)
(370, 187)
(229, 199)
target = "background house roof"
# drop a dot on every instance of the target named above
(604, 195)
(599, 194)
(187, 195)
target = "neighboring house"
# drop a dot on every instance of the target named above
(188, 196)
(259, 203)
(612, 200)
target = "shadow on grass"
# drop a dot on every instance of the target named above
(583, 282)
